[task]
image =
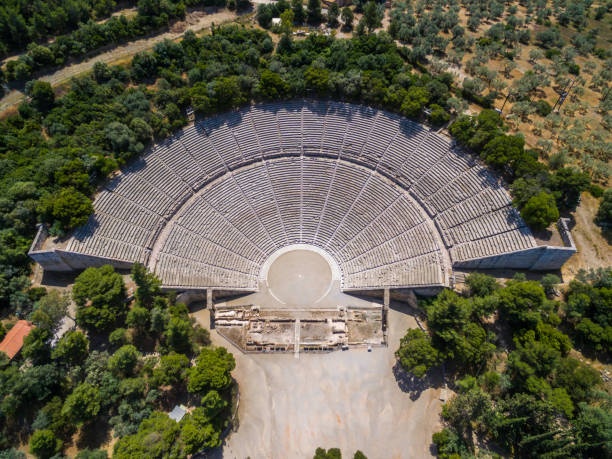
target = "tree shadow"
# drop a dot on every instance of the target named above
(415, 386)
(606, 233)
(94, 435)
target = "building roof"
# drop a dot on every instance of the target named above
(13, 341)
(177, 413)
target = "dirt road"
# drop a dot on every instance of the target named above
(195, 20)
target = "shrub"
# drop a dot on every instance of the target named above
(124, 360)
(118, 337)
(99, 294)
(573, 68)
(66, 209)
(604, 213)
(44, 444)
(540, 211)
(438, 115)
(596, 191)
(416, 353)
(543, 108)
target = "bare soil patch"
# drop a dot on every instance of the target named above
(592, 244)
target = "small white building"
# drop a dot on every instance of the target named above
(178, 413)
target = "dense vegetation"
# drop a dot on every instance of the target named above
(509, 360)
(89, 35)
(23, 22)
(122, 369)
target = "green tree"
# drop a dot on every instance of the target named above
(148, 286)
(91, 454)
(455, 333)
(594, 336)
(469, 410)
(212, 370)
(264, 15)
(12, 454)
(540, 211)
(158, 437)
(298, 11)
(118, 337)
(578, 379)
(213, 404)
(521, 303)
(124, 360)
(202, 429)
(416, 353)
(83, 404)
(178, 335)
(449, 444)
(50, 310)
(331, 453)
(66, 209)
(313, 12)
(272, 86)
(286, 25)
(73, 348)
(481, 284)
(172, 370)
(593, 430)
(36, 346)
(504, 152)
(372, 16)
(438, 115)
(416, 98)
(74, 174)
(567, 184)
(317, 79)
(604, 213)
(138, 318)
(44, 444)
(521, 416)
(347, 17)
(42, 96)
(100, 295)
(332, 14)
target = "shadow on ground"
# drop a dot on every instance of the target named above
(415, 386)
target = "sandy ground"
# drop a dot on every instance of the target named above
(351, 400)
(593, 247)
(299, 277)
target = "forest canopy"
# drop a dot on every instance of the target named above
(529, 396)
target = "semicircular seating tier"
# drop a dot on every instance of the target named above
(394, 203)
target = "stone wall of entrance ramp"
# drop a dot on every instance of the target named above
(60, 260)
(542, 258)
(66, 261)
